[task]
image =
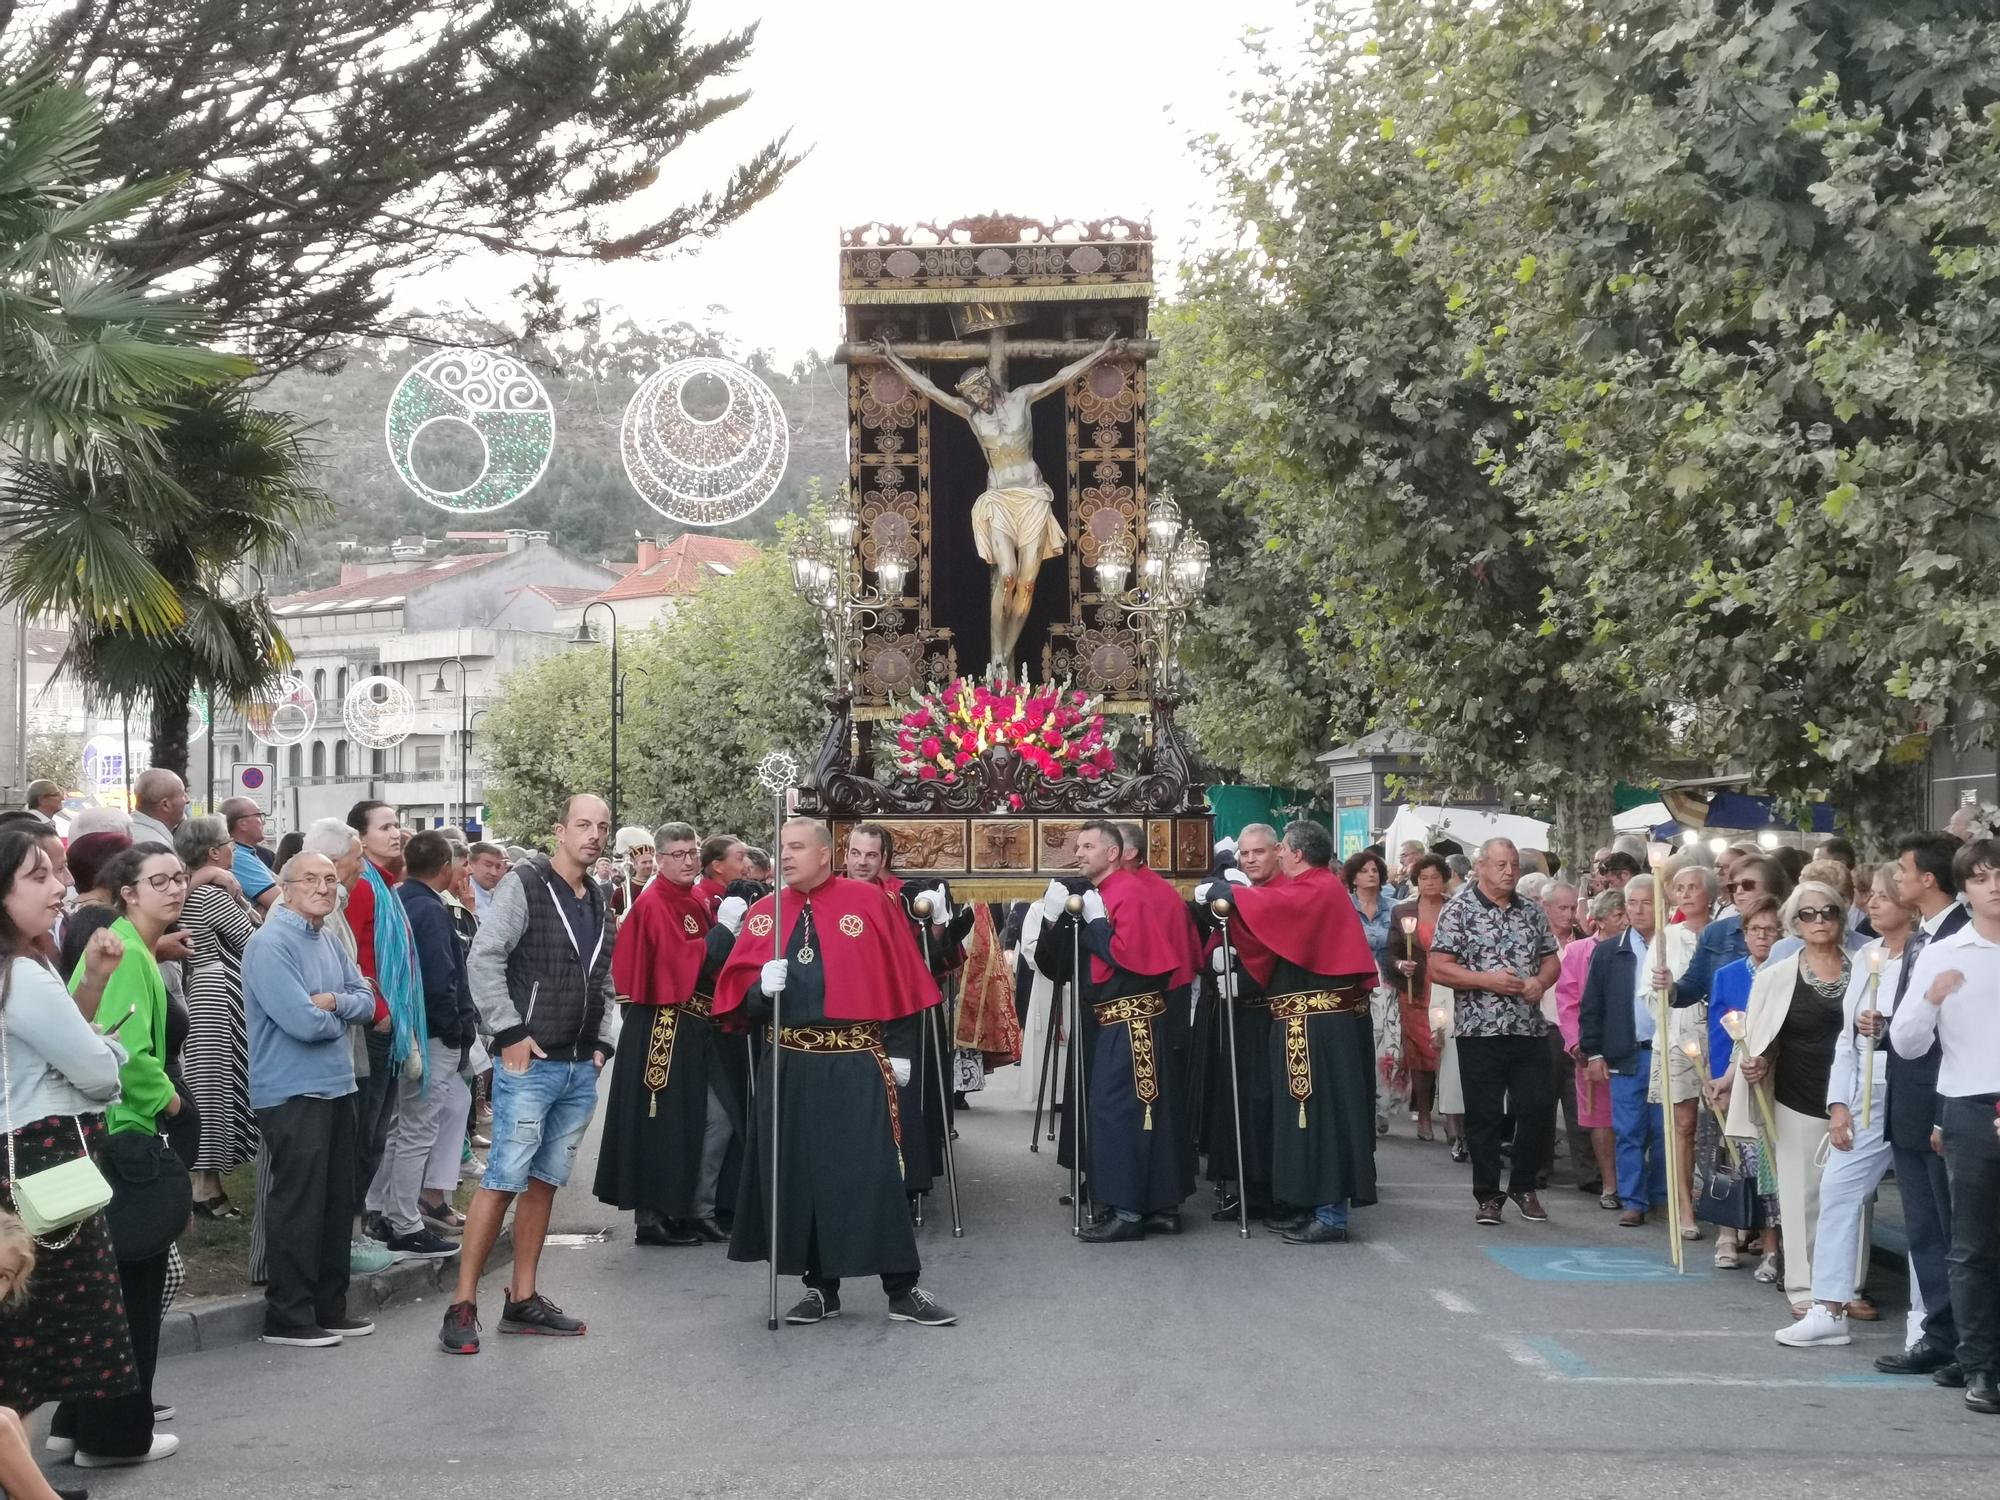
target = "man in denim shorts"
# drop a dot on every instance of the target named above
(540, 971)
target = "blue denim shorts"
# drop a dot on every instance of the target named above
(539, 1118)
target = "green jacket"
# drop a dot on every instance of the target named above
(135, 986)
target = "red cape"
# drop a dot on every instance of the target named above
(1231, 887)
(710, 893)
(1308, 920)
(662, 945)
(1151, 931)
(873, 971)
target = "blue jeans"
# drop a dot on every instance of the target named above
(539, 1118)
(1333, 1215)
(1642, 1145)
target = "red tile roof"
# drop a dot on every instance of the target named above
(383, 588)
(556, 594)
(681, 567)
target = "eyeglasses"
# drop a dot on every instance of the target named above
(1819, 914)
(315, 882)
(1760, 931)
(682, 854)
(167, 882)
(1746, 885)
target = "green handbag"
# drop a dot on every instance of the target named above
(59, 1197)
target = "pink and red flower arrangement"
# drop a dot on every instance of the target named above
(1056, 730)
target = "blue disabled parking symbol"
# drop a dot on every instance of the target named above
(1580, 1263)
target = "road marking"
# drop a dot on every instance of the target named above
(1451, 1301)
(1552, 1360)
(1389, 1253)
(1589, 1263)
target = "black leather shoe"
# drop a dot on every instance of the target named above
(1950, 1376)
(1286, 1223)
(1227, 1206)
(672, 1236)
(1925, 1359)
(1316, 1233)
(1113, 1231)
(1227, 1215)
(709, 1230)
(1161, 1223)
(1982, 1395)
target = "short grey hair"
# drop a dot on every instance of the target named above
(1605, 903)
(100, 820)
(1709, 884)
(1789, 914)
(1493, 843)
(330, 837)
(1554, 885)
(196, 836)
(1310, 842)
(1264, 828)
(1533, 887)
(1638, 885)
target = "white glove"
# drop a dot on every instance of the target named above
(1235, 876)
(940, 909)
(771, 979)
(1053, 899)
(730, 913)
(1218, 961)
(1093, 907)
(900, 1066)
(1205, 892)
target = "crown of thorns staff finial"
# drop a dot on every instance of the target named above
(776, 772)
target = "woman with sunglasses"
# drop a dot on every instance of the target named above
(150, 888)
(1789, 1035)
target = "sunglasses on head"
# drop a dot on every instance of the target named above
(1819, 914)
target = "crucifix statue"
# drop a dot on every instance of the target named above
(1013, 521)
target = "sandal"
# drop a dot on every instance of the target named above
(1690, 1231)
(217, 1208)
(1726, 1259)
(1767, 1270)
(1425, 1133)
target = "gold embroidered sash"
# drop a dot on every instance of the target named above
(1135, 1013)
(862, 1036)
(1293, 1011)
(660, 1044)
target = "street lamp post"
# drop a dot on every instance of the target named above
(438, 688)
(585, 636)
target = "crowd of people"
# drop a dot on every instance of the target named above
(364, 1009)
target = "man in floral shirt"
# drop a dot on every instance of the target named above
(1496, 951)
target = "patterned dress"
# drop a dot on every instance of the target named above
(70, 1338)
(217, 1059)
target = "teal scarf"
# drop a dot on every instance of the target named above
(396, 973)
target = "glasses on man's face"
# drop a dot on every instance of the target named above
(168, 882)
(315, 882)
(686, 856)
(1770, 934)
(1819, 914)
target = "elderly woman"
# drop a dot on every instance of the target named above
(1408, 952)
(1366, 875)
(1593, 1102)
(1730, 995)
(216, 1060)
(1861, 1154)
(1796, 1012)
(1693, 890)
(150, 888)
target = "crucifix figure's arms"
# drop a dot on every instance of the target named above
(909, 372)
(1112, 345)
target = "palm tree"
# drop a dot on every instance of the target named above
(138, 474)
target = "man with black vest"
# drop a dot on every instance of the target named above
(541, 977)
(1925, 881)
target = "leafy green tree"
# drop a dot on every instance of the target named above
(55, 755)
(335, 146)
(737, 671)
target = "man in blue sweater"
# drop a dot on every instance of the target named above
(300, 994)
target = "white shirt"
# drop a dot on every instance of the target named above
(1843, 1084)
(1967, 1023)
(1642, 988)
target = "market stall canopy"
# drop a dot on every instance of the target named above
(1648, 817)
(1463, 825)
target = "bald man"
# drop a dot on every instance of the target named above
(160, 799)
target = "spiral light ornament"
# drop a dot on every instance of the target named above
(379, 713)
(704, 470)
(493, 396)
(283, 713)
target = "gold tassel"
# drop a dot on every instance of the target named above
(652, 1106)
(1149, 1117)
(1302, 1114)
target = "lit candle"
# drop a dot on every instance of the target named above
(1410, 947)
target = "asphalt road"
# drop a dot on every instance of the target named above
(1428, 1357)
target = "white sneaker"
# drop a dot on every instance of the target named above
(59, 1447)
(1818, 1326)
(165, 1445)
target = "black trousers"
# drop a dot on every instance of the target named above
(1494, 1072)
(377, 1102)
(122, 1426)
(306, 1247)
(1925, 1184)
(894, 1283)
(1972, 1157)
(1562, 1078)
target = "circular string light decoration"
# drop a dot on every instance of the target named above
(704, 469)
(379, 713)
(282, 713)
(498, 400)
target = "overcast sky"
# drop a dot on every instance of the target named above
(918, 111)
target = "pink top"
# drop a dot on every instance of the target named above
(1569, 986)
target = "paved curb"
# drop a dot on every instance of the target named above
(217, 1322)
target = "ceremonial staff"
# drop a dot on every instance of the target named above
(925, 905)
(1077, 1064)
(775, 774)
(1048, 1073)
(1868, 1040)
(1222, 909)
(1663, 1052)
